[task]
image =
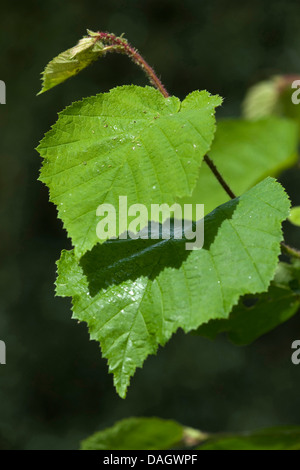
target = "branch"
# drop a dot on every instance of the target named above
(219, 177)
(122, 45)
(288, 250)
(125, 48)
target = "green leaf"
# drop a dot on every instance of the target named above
(71, 62)
(162, 434)
(273, 97)
(257, 315)
(245, 152)
(131, 141)
(294, 217)
(134, 294)
(136, 434)
(279, 438)
(262, 99)
(289, 275)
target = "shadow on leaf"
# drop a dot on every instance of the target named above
(119, 260)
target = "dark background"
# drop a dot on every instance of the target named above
(55, 389)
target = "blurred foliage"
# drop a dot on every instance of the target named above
(136, 434)
(278, 438)
(295, 216)
(54, 390)
(159, 434)
(255, 315)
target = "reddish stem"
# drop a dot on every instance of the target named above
(219, 177)
(127, 49)
(121, 45)
(288, 250)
